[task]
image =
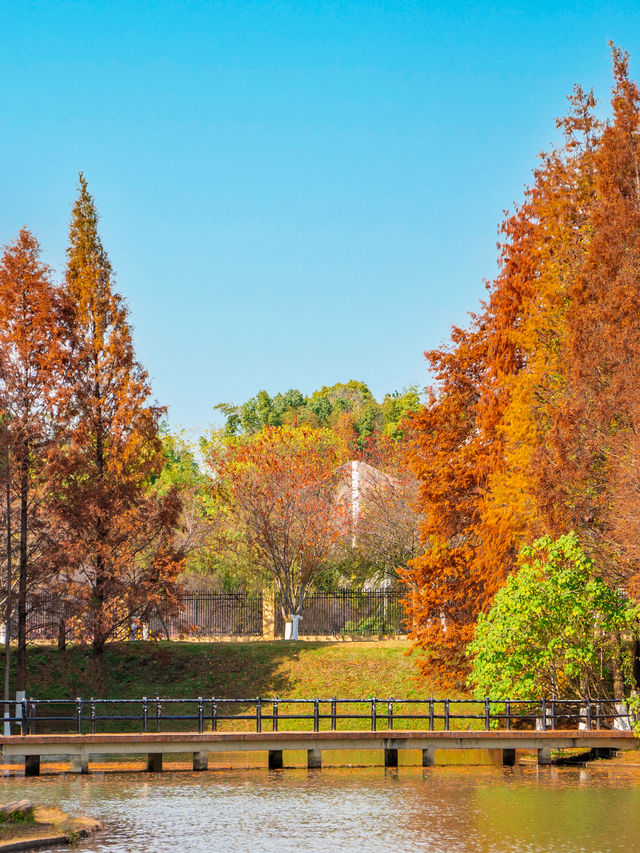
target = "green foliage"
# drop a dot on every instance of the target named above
(324, 408)
(25, 816)
(552, 627)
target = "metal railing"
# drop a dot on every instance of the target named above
(90, 716)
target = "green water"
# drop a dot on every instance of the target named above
(440, 809)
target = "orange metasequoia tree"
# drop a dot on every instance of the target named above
(117, 532)
(475, 447)
(32, 356)
(593, 444)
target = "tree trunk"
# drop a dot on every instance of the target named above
(21, 682)
(62, 636)
(9, 601)
(636, 664)
(618, 681)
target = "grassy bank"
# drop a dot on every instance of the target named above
(230, 670)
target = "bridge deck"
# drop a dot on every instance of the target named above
(81, 747)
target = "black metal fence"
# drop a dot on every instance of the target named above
(240, 614)
(370, 613)
(212, 614)
(82, 716)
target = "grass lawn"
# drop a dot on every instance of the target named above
(229, 670)
(287, 670)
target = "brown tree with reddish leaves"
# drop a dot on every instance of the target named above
(33, 351)
(385, 520)
(280, 485)
(117, 532)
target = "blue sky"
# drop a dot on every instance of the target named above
(292, 194)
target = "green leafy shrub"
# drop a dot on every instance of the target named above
(553, 628)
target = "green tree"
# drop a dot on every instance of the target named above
(554, 629)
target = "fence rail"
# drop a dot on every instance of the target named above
(82, 716)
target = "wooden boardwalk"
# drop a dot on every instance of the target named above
(79, 748)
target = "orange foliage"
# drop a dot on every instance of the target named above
(280, 486)
(478, 446)
(119, 562)
(32, 356)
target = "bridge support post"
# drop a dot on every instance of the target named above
(32, 765)
(508, 757)
(604, 752)
(391, 757)
(154, 762)
(275, 759)
(200, 760)
(79, 763)
(428, 757)
(314, 759)
(544, 755)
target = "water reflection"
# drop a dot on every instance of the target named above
(440, 809)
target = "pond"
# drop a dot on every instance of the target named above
(450, 809)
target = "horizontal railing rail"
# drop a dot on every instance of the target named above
(156, 714)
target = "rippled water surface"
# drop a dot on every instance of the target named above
(440, 809)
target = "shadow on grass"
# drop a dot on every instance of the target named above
(169, 670)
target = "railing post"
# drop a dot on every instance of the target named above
(543, 708)
(446, 715)
(145, 713)
(333, 714)
(487, 715)
(214, 716)
(374, 714)
(32, 719)
(431, 714)
(158, 712)
(554, 717)
(79, 714)
(599, 713)
(200, 715)
(23, 714)
(507, 710)
(258, 714)
(588, 721)
(316, 715)
(390, 714)
(93, 716)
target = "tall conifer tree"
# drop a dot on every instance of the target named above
(117, 532)
(32, 355)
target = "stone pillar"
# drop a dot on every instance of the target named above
(79, 763)
(32, 765)
(314, 759)
(154, 762)
(268, 615)
(544, 755)
(508, 757)
(391, 758)
(275, 759)
(200, 760)
(428, 757)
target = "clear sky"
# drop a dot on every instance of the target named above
(292, 193)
